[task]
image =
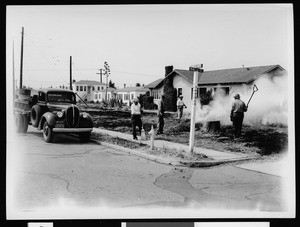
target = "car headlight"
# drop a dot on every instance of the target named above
(84, 115)
(60, 114)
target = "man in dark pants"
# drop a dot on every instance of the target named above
(136, 117)
(237, 115)
(160, 114)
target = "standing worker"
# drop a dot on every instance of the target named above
(136, 117)
(160, 114)
(180, 104)
(237, 115)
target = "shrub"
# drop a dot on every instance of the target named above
(170, 94)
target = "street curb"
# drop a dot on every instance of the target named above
(173, 162)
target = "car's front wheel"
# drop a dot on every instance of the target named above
(84, 136)
(47, 133)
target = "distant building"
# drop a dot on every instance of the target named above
(99, 96)
(127, 94)
(228, 80)
(89, 89)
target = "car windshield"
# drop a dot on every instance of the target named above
(61, 97)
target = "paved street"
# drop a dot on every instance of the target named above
(90, 175)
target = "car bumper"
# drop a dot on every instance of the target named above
(72, 130)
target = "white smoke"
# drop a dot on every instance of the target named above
(217, 110)
(267, 106)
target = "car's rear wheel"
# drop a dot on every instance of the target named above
(85, 136)
(47, 133)
(35, 116)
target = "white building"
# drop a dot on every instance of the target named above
(87, 89)
(229, 80)
(99, 96)
(127, 94)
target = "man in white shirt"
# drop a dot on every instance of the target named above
(136, 117)
(180, 104)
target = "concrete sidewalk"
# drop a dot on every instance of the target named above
(214, 157)
(278, 167)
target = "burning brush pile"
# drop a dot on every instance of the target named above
(265, 129)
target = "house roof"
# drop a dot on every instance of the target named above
(111, 89)
(129, 89)
(89, 82)
(155, 83)
(46, 90)
(228, 76)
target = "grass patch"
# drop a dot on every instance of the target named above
(164, 151)
(261, 139)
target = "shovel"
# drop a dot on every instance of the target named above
(255, 89)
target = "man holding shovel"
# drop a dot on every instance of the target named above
(237, 115)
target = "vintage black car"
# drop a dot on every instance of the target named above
(55, 111)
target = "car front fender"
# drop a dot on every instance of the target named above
(49, 117)
(85, 122)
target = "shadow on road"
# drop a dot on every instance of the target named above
(61, 138)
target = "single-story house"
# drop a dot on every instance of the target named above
(87, 89)
(100, 95)
(228, 80)
(127, 94)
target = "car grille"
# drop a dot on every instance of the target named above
(72, 116)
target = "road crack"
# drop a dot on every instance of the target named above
(54, 176)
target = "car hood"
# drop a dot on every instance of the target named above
(59, 106)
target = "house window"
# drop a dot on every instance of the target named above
(132, 96)
(96, 96)
(84, 88)
(93, 88)
(126, 96)
(98, 88)
(120, 96)
(222, 90)
(179, 91)
(202, 90)
(102, 87)
(156, 94)
(77, 88)
(108, 96)
(81, 88)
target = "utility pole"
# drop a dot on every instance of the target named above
(71, 88)
(100, 73)
(197, 69)
(21, 64)
(14, 92)
(107, 73)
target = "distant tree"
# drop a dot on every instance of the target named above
(111, 84)
(137, 84)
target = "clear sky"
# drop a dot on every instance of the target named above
(138, 41)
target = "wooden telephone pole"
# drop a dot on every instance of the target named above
(21, 63)
(71, 88)
(100, 73)
(197, 69)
